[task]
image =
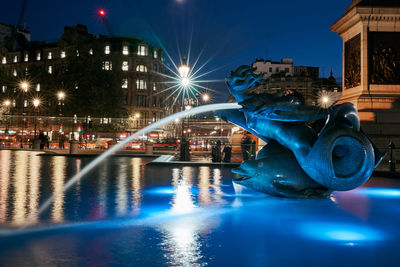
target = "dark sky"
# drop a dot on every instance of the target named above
(231, 32)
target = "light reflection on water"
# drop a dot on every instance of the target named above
(191, 211)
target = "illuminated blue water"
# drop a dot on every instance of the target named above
(126, 213)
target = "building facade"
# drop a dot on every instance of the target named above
(304, 80)
(138, 63)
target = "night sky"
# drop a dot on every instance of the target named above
(230, 32)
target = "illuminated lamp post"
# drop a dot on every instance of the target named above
(36, 103)
(7, 104)
(184, 71)
(60, 97)
(24, 86)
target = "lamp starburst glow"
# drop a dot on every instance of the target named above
(7, 103)
(24, 86)
(61, 95)
(36, 102)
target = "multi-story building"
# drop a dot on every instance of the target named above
(303, 80)
(140, 63)
(270, 68)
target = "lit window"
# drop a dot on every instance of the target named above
(77, 53)
(125, 50)
(155, 67)
(76, 85)
(50, 69)
(15, 72)
(141, 85)
(25, 103)
(62, 54)
(124, 83)
(4, 60)
(155, 54)
(14, 103)
(26, 57)
(4, 88)
(15, 59)
(142, 50)
(154, 87)
(91, 51)
(141, 68)
(38, 87)
(107, 65)
(49, 55)
(38, 56)
(125, 65)
(26, 71)
(107, 49)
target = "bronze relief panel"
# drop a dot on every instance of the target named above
(384, 58)
(353, 62)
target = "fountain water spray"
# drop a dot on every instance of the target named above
(99, 159)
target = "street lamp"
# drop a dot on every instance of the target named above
(36, 103)
(7, 104)
(60, 97)
(24, 85)
(205, 97)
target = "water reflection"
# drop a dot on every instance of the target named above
(103, 189)
(58, 178)
(136, 164)
(34, 186)
(20, 188)
(5, 159)
(204, 186)
(181, 236)
(122, 191)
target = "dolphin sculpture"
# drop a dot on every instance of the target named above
(300, 161)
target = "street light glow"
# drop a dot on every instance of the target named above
(137, 115)
(325, 99)
(102, 12)
(206, 97)
(185, 82)
(61, 95)
(7, 103)
(24, 86)
(36, 102)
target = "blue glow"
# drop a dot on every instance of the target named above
(380, 192)
(161, 191)
(341, 232)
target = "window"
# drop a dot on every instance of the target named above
(107, 65)
(14, 72)
(155, 54)
(49, 55)
(154, 87)
(38, 56)
(286, 69)
(155, 67)
(50, 69)
(141, 101)
(142, 50)
(15, 59)
(26, 58)
(4, 60)
(38, 87)
(277, 69)
(4, 88)
(25, 103)
(124, 83)
(141, 85)
(107, 49)
(77, 53)
(270, 69)
(76, 85)
(154, 101)
(91, 51)
(125, 50)
(141, 68)
(125, 66)
(62, 54)
(26, 72)
(14, 103)
(154, 116)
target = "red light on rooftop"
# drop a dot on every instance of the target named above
(102, 12)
